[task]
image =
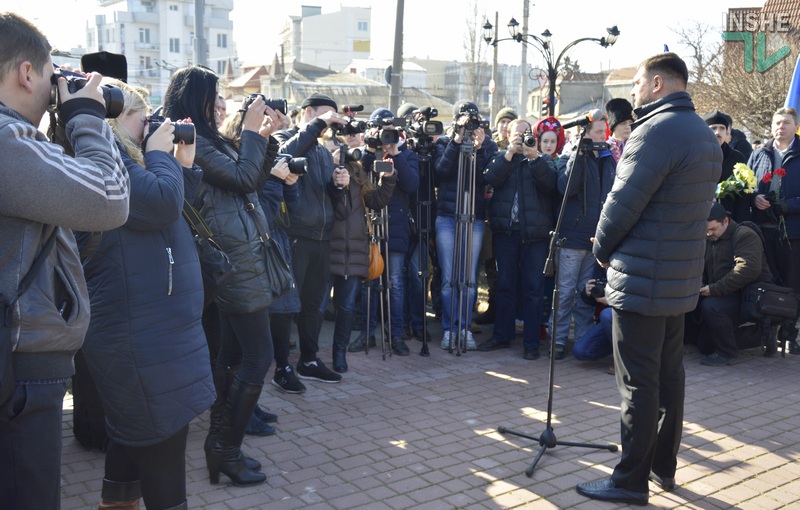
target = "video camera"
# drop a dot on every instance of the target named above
(112, 96)
(587, 145)
(352, 155)
(184, 131)
(352, 126)
(278, 105)
(385, 136)
(297, 166)
(421, 130)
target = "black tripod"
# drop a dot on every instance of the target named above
(461, 277)
(424, 229)
(548, 438)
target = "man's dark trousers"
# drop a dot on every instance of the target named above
(648, 355)
(311, 262)
(719, 315)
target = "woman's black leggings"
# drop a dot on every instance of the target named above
(246, 342)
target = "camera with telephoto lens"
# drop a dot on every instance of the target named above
(599, 289)
(112, 96)
(528, 140)
(279, 105)
(297, 166)
(422, 129)
(352, 155)
(385, 136)
(184, 131)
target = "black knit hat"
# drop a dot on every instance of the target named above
(463, 107)
(618, 110)
(717, 117)
(317, 99)
(718, 213)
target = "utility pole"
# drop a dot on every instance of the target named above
(397, 61)
(523, 69)
(200, 48)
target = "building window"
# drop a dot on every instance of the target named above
(173, 7)
(222, 40)
(144, 35)
(221, 67)
(174, 45)
(363, 26)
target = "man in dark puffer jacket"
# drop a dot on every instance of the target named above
(651, 235)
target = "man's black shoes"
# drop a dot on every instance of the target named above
(531, 354)
(716, 360)
(492, 345)
(605, 490)
(665, 483)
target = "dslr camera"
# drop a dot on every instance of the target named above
(297, 166)
(599, 289)
(352, 126)
(112, 96)
(385, 136)
(184, 132)
(279, 105)
(528, 139)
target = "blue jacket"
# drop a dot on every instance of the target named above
(592, 178)
(533, 181)
(652, 229)
(145, 346)
(273, 197)
(761, 163)
(406, 165)
(446, 160)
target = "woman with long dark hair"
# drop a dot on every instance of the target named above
(145, 346)
(234, 170)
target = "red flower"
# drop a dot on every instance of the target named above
(767, 178)
(780, 172)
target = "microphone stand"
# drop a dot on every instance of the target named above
(548, 438)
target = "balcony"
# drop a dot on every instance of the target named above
(140, 46)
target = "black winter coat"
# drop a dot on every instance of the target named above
(652, 229)
(145, 346)
(349, 239)
(534, 181)
(314, 219)
(446, 162)
(228, 201)
(739, 207)
(761, 161)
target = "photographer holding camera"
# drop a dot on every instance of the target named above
(466, 128)
(776, 205)
(521, 218)
(311, 225)
(43, 194)
(147, 303)
(596, 343)
(383, 135)
(594, 168)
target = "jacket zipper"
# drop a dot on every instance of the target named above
(171, 263)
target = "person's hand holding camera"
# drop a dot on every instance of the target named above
(341, 177)
(254, 115)
(514, 146)
(331, 117)
(91, 90)
(270, 123)
(184, 152)
(280, 169)
(161, 139)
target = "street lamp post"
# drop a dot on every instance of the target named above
(543, 46)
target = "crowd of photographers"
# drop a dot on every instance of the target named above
(176, 233)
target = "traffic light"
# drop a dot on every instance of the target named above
(545, 107)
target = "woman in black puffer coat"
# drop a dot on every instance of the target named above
(234, 170)
(145, 345)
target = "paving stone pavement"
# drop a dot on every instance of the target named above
(417, 432)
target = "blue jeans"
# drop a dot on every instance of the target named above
(30, 446)
(596, 343)
(445, 245)
(518, 264)
(574, 267)
(346, 290)
(416, 285)
(395, 261)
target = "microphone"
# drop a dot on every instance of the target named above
(592, 116)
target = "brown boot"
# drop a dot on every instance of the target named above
(120, 495)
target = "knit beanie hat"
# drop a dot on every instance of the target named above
(317, 99)
(717, 117)
(505, 113)
(405, 109)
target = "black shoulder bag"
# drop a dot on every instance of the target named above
(215, 265)
(7, 380)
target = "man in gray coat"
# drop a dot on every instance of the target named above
(652, 238)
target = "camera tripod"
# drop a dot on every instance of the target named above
(424, 208)
(461, 278)
(548, 438)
